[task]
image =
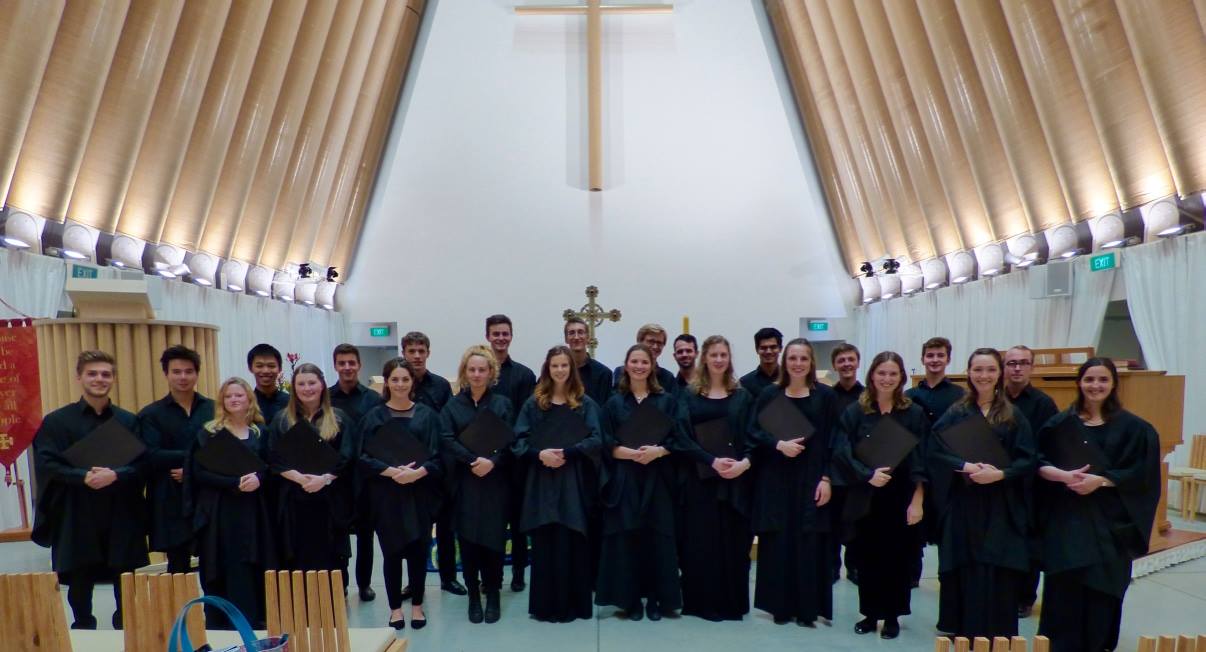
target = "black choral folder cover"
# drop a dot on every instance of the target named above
(394, 444)
(888, 444)
(974, 441)
(1071, 448)
(716, 438)
(782, 419)
(562, 428)
(647, 426)
(304, 451)
(486, 434)
(110, 445)
(224, 454)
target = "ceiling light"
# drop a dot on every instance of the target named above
(259, 281)
(324, 296)
(21, 230)
(234, 275)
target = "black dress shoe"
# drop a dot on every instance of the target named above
(865, 626)
(653, 611)
(419, 623)
(84, 623)
(475, 608)
(116, 620)
(636, 613)
(782, 620)
(517, 583)
(454, 587)
(493, 608)
(367, 594)
(891, 629)
(398, 624)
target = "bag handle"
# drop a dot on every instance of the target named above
(180, 630)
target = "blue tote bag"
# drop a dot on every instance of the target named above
(179, 641)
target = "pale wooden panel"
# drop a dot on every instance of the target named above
(1170, 53)
(1107, 73)
(225, 88)
(271, 605)
(251, 128)
(28, 627)
(1018, 128)
(301, 629)
(61, 368)
(981, 644)
(285, 203)
(161, 338)
(341, 612)
(1061, 106)
(314, 39)
(66, 107)
(286, 597)
(27, 29)
(326, 618)
(173, 116)
(313, 615)
(1042, 644)
(125, 108)
(335, 211)
(335, 133)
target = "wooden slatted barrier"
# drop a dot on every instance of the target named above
(31, 614)
(310, 607)
(150, 604)
(998, 644)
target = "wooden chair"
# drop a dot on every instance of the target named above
(310, 607)
(31, 614)
(998, 644)
(1191, 477)
(150, 604)
(1181, 643)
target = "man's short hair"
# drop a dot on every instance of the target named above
(573, 320)
(1023, 347)
(86, 358)
(345, 349)
(263, 350)
(416, 337)
(768, 333)
(844, 347)
(937, 343)
(689, 339)
(179, 352)
(495, 320)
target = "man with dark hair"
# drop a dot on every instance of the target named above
(596, 377)
(686, 349)
(652, 336)
(516, 382)
(768, 342)
(845, 360)
(92, 519)
(355, 399)
(264, 363)
(434, 391)
(1038, 408)
(935, 393)
(169, 426)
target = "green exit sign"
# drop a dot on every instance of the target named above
(83, 271)
(379, 331)
(1101, 262)
(818, 325)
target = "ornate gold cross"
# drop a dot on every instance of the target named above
(594, 10)
(594, 315)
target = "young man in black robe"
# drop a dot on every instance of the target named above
(1037, 407)
(264, 363)
(169, 426)
(686, 349)
(516, 382)
(768, 342)
(434, 391)
(845, 360)
(654, 337)
(93, 520)
(596, 377)
(356, 400)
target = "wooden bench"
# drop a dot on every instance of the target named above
(150, 604)
(31, 614)
(1183, 643)
(998, 644)
(310, 607)
(1191, 476)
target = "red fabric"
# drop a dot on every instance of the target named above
(20, 389)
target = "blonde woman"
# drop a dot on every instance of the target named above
(480, 490)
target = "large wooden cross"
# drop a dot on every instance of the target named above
(594, 10)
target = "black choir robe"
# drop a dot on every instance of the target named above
(982, 551)
(1037, 407)
(755, 382)
(169, 432)
(935, 400)
(597, 380)
(666, 378)
(87, 529)
(479, 505)
(433, 390)
(794, 558)
(401, 514)
(270, 406)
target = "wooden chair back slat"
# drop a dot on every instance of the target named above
(1166, 644)
(981, 644)
(339, 604)
(300, 628)
(1018, 644)
(962, 645)
(1186, 643)
(324, 611)
(313, 617)
(1197, 452)
(309, 607)
(942, 644)
(1000, 644)
(150, 604)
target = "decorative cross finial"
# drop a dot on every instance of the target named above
(594, 315)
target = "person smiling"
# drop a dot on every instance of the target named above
(596, 377)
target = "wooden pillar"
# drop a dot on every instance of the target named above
(594, 79)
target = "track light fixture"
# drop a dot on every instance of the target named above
(867, 269)
(332, 274)
(304, 270)
(891, 266)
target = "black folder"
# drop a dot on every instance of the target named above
(562, 428)
(486, 434)
(647, 426)
(394, 444)
(888, 444)
(224, 454)
(974, 440)
(716, 438)
(1070, 448)
(110, 445)
(304, 451)
(782, 419)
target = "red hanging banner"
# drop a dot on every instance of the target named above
(20, 389)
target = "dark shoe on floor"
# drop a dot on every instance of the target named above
(86, 623)
(398, 624)
(517, 583)
(454, 587)
(865, 626)
(636, 613)
(419, 623)
(116, 620)
(493, 608)
(1024, 611)
(367, 594)
(782, 620)
(811, 624)
(653, 611)
(475, 607)
(891, 629)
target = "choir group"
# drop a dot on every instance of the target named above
(638, 488)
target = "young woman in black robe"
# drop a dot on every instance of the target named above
(638, 561)
(231, 523)
(560, 490)
(715, 510)
(981, 510)
(884, 505)
(481, 488)
(792, 489)
(1093, 522)
(314, 512)
(403, 500)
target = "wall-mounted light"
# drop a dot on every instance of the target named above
(990, 259)
(324, 296)
(259, 281)
(889, 285)
(934, 273)
(871, 288)
(962, 267)
(21, 230)
(305, 292)
(234, 275)
(203, 269)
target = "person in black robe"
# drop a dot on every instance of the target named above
(792, 489)
(981, 510)
(595, 375)
(654, 337)
(845, 359)
(93, 520)
(169, 426)
(560, 492)
(314, 511)
(1093, 522)
(638, 557)
(264, 363)
(403, 500)
(481, 488)
(715, 509)
(229, 513)
(768, 342)
(883, 505)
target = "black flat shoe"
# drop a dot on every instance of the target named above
(454, 587)
(398, 624)
(84, 623)
(475, 608)
(419, 623)
(367, 594)
(891, 629)
(652, 611)
(636, 613)
(865, 626)
(782, 620)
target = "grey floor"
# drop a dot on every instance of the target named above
(1170, 601)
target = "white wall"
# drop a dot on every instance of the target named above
(712, 207)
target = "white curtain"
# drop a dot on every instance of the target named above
(30, 283)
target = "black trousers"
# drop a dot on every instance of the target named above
(80, 584)
(519, 540)
(446, 545)
(363, 528)
(482, 567)
(1028, 588)
(180, 559)
(415, 555)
